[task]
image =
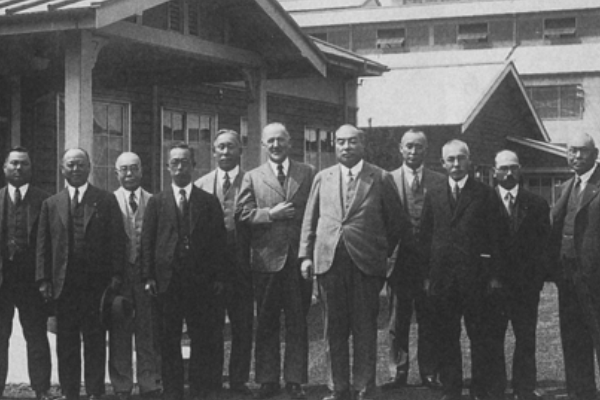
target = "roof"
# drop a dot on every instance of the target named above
(340, 57)
(429, 11)
(309, 5)
(437, 96)
(428, 59)
(557, 59)
(551, 148)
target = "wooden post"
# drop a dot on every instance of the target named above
(254, 153)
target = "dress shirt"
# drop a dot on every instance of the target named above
(81, 190)
(274, 166)
(586, 177)
(138, 196)
(22, 189)
(355, 170)
(176, 189)
(410, 174)
(461, 183)
(514, 192)
(234, 173)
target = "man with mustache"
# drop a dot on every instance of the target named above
(526, 226)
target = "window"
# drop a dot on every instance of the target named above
(559, 28)
(390, 38)
(195, 129)
(111, 138)
(557, 102)
(175, 16)
(319, 147)
(473, 33)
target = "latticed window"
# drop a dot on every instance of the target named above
(557, 102)
(319, 147)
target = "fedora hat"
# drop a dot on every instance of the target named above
(114, 308)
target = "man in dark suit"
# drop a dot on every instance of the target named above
(133, 199)
(352, 223)
(463, 267)
(576, 256)
(183, 263)
(20, 205)
(80, 251)
(525, 230)
(271, 202)
(412, 180)
(225, 182)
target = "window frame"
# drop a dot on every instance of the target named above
(472, 37)
(560, 33)
(392, 42)
(579, 96)
(319, 152)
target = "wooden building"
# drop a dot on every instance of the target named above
(135, 75)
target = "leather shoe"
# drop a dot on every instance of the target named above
(43, 395)
(267, 390)
(527, 396)
(431, 381)
(294, 390)
(338, 395)
(397, 382)
(240, 388)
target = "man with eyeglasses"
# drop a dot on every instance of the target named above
(225, 182)
(133, 199)
(576, 259)
(413, 180)
(463, 269)
(525, 228)
(184, 265)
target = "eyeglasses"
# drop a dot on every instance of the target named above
(581, 150)
(133, 168)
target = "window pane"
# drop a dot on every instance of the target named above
(569, 102)
(546, 102)
(100, 118)
(193, 127)
(100, 154)
(115, 120)
(167, 125)
(177, 126)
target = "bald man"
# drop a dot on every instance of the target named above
(80, 251)
(132, 199)
(576, 256)
(526, 226)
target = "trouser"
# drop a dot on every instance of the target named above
(144, 328)
(22, 292)
(275, 292)
(351, 300)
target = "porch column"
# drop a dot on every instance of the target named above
(15, 111)
(256, 91)
(80, 57)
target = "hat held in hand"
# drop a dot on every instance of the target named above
(114, 308)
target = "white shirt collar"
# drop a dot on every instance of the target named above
(137, 192)
(82, 189)
(586, 177)
(232, 174)
(410, 174)
(23, 189)
(285, 163)
(514, 192)
(176, 189)
(355, 170)
(461, 183)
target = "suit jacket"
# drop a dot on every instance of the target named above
(104, 240)
(408, 265)
(587, 229)
(370, 228)
(160, 234)
(133, 237)
(272, 242)
(525, 241)
(463, 244)
(33, 203)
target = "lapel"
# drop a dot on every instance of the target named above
(560, 208)
(591, 189)
(294, 180)
(401, 185)
(170, 209)
(522, 208)
(270, 179)
(365, 181)
(3, 197)
(33, 211)
(144, 197)
(89, 204)
(195, 208)
(333, 180)
(465, 198)
(63, 207)
(120, 194)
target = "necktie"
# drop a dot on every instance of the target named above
(416, 185)
(17, 197)
(280, 174)
(75, 201)
(182, 204)
(455, 192)
(577, 188)
(132, 202)
(510, 203)
(350, 188)
(227, 183)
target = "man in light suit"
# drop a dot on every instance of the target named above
(132, 201)
(576, 256)
(413, 180)
(352, 223)
(20, 205)
(80, 251)
(526, 226)
(272, 201)
(183, 264)
(225, 182)
(463, 270)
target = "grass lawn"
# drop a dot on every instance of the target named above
(549, 357)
